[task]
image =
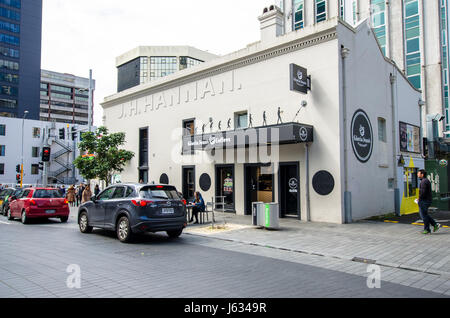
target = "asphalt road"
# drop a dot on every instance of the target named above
(35, 259)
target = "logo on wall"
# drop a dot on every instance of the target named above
(303, 134)
(362, 136)
(299, 79)
(293, 185)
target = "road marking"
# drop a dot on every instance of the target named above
(387, 221)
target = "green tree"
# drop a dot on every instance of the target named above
(101, 157)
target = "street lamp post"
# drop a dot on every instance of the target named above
(21, 167)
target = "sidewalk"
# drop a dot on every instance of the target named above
(405, 255)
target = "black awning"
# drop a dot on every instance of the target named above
(289, 133)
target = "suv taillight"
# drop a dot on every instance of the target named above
(141, 203)
(184, 201)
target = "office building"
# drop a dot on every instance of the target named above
(413, 33)
(20, 57)
(64, 98)
(149, 63)
(318, 121)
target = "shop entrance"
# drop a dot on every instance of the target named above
(225, 188)
(289, 190)
(188, 182)
(258, 185)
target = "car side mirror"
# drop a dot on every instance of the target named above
(94, 198)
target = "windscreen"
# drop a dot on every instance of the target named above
(47, 194)
(158, 192)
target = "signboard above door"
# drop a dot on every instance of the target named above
(299, 79)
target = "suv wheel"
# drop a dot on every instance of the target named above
(24, 218)
(83, 223)
(123, 230)
(174, 234)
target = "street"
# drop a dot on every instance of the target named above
(35, 259)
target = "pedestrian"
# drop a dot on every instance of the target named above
(199, 206)
(63, 191)
(87, 194)
(424, 202)
(96, 190)
(71, 195)
(80, 193)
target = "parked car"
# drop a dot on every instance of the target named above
(7, 201)
(33, 203)
(4, 196)
(129, 209)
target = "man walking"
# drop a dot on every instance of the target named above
(425, 200)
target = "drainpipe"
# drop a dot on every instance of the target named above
(347, 194)
(393, 80)
(308, 211)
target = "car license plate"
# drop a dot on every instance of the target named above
(50, 211)
(167, 211)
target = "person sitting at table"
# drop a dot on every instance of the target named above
(199, 207)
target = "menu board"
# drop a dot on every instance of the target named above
(409, 138)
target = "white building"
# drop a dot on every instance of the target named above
(148, 63)
(36, 135)
(340, 158)
(413, 33)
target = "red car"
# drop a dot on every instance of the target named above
(35, 203)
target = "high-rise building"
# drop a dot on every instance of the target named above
(20, 57)
(148, 63)
(413, 33)
(64, 98)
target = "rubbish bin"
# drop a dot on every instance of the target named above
(257, 213)
(271, 216)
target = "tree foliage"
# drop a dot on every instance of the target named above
(106, 159)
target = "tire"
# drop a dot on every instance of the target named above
(24, 218)
(123, 230)
(8, 215)
(64, 219)
(83, 223)
(175, 233)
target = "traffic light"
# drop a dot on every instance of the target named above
(62, 133)
(18, 168)
(18, 178)
(46, 154)
(41, 166)
(74, 133)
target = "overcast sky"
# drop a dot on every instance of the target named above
(81, 34)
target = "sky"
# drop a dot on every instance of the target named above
(78, 35)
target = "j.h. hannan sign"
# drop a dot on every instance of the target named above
(195, 91)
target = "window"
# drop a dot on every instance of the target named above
(299, 14)
(129, 192)
(143, 147)
(118, 193)
(36, 132)
(9, 14)
(241, 120)
(321, 10)
(35, 152)
(8, 103)
(24, 194)
(4, 64)
(2, 168)
(2, 150)
(11, 3)
(412, 38)
(34, 169)
(382, 130)
(159, 192)
(162, 66)
(2, 130)
(47, 194)
(189, 127)
(378, 11)
(105, 195)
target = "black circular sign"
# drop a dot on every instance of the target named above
(164, 179)
(323, 182)
(205, 182)
(362, 136)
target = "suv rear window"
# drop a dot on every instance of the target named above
(47, 194)
(159, 192)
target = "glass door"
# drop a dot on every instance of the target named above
(225, 187)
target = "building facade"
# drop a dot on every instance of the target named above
(65, 98)
(20, 57)
(150, 63)
(413, 33)
(36, 135)
(317, 120)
